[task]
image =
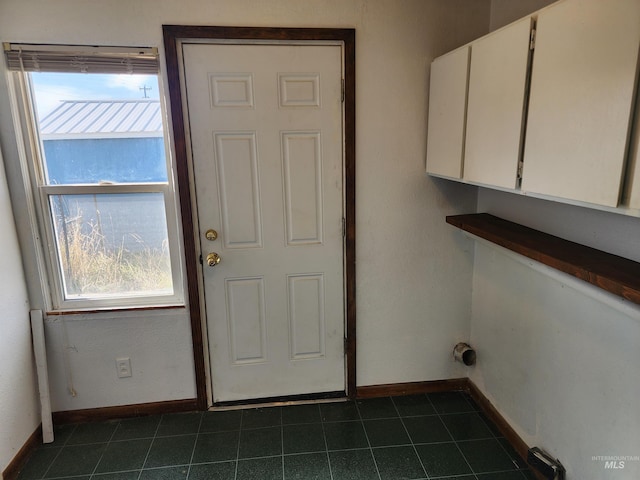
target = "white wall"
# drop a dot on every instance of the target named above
(504, 12)
(556, 356)
(82, 352)
(611, 232)
(413, 272)
(19, 403)
(559, 360)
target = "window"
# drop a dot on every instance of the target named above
(101, 175)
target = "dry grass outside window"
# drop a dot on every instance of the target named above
(91, 266)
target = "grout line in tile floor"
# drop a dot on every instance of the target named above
(326, 446)
(409, 435)
(155, 433)
(195, 445)
(281, 444)
(235, 474)
(473, 473)
(60, 452)
(373, 457)
(104, 450)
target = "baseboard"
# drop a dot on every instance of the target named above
(412, 388)
(492, 413)
(519, 445)
(16, 464)
(125, 411)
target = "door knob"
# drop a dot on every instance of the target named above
(213, 259)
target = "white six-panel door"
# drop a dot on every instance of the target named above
(266, 138)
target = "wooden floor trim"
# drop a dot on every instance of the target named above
(125, 411)
(492, 413)
(412, 388)
(15, 465)
(519, 445)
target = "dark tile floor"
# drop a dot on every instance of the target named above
(439, 436)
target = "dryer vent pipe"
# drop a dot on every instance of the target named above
(462, 352)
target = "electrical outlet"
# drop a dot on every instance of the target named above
(123, 366)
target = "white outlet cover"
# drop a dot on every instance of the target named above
(123, 367)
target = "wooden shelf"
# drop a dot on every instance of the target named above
(614, 274)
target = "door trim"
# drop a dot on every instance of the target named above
(172, 35)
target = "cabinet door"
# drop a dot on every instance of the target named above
(582, 86)
(634, 181)
(447, 110)
(497, 84)
(633, 169)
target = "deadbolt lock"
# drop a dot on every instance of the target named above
(211, 234)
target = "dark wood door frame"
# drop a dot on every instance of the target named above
(173, 34)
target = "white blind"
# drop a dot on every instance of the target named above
(81, 59)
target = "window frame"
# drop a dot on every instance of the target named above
(43, 222)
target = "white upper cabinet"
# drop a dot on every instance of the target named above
(581, 101)
(562, 113)
(634, 183)
(447, 113)
(497, 86)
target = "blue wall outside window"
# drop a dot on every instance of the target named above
(133, 221)
(118, 160)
